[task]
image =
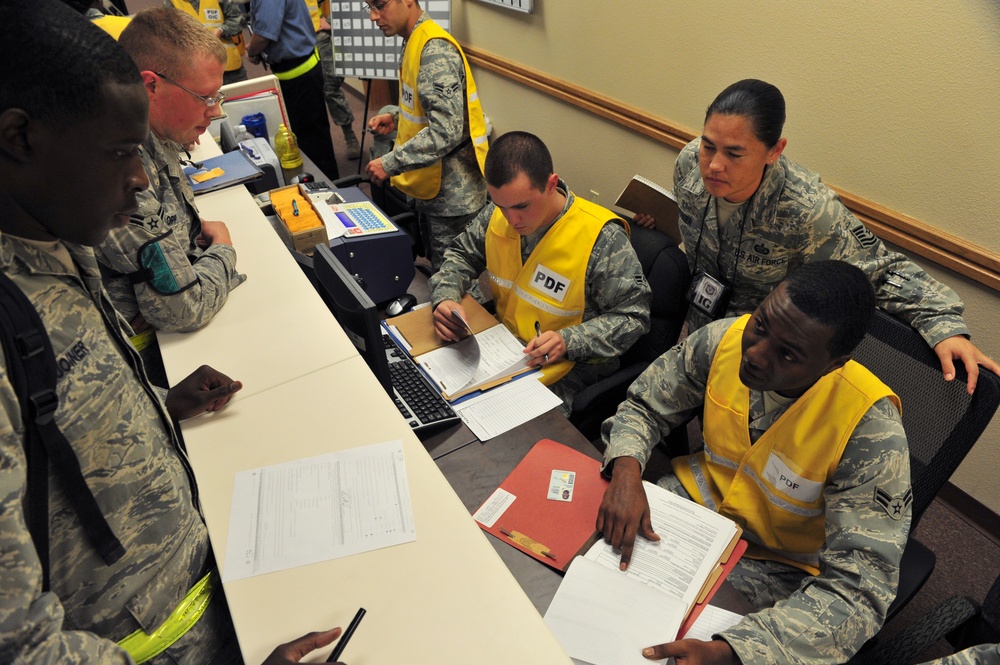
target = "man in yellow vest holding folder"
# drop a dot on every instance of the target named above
(564, 276)
(441, 134)
(803, 448)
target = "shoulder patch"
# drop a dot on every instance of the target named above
(447, 89)
(894, 506)
(863, 235)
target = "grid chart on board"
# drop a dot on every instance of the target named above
(359, 46)
(519, 5)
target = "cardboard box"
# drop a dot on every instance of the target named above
(305, 229)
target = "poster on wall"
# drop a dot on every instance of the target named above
(360, 48)
(518, 5)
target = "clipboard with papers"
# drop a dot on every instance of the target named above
(489, 357)
(226, 170)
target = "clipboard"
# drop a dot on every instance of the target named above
(562, 528)
(417, 329)
(234, 167)
(417, 326)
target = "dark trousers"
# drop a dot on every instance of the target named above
(307, 112)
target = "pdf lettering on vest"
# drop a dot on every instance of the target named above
(551, 283)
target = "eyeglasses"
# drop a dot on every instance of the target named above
(210, 102)
(375, 7)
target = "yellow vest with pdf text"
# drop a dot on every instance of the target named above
(425, 183)
(550, 287)
(774, 487)
(210, 15)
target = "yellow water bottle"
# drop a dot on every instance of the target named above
(287, 148)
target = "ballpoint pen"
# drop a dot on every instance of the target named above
(538, 333)
(339, 649)
(295, 208)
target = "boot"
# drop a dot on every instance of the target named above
(353, 147)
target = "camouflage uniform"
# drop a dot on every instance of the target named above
(134, 464)
(821, 619)
(794, 218)
(984, 654)
(167, 215)
(616, 309)
(441, 89)
(336, 102)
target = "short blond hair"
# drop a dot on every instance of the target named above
(164, 40)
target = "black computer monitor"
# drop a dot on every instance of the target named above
(354, 310)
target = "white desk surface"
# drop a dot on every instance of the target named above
(445, 598)
(274, 327)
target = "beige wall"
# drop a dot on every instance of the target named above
(895, 103)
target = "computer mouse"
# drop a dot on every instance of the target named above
(401, 305)
(305, 176)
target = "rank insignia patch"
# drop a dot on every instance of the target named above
(864, 235)
(894, 506)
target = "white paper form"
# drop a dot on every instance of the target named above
(692, 539)
(318, 508)
(600, 616)
(711, 621)
(503, 408)
(454, 370)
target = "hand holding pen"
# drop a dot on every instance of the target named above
(545, 347)
(297, 649)
(538, 333)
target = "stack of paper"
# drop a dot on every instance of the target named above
(677, 574)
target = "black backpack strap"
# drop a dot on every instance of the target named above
(31, 366)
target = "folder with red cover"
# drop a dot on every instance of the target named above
(560, 528)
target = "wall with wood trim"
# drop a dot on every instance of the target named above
(894, 106)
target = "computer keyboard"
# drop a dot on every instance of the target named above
(417, 401)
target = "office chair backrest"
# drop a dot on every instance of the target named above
(666, 270)
(942, 421)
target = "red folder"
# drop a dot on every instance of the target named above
(535, 524)
(726, 568)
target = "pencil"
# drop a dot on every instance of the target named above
(339, 649)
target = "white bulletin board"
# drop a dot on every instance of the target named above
(360, 49)
(519, 5)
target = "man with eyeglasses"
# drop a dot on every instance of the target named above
(441, 145)
(169, 269)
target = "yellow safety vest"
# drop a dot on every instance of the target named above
(113, 25)
(210, 15)
(551, 287)
(143, 646)
(317, 10)
(425, 183)
(774, 487)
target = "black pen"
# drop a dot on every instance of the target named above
(339, 649)
(538, 333)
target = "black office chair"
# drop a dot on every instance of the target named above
(666, 270)
(942, 423)
(960, 619)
